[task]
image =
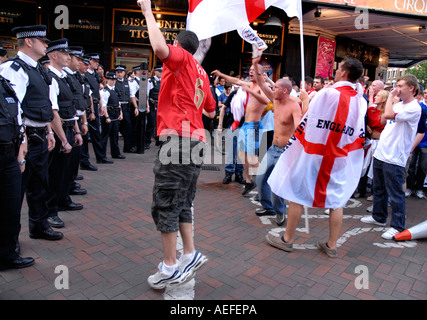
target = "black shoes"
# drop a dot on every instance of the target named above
(47, 234)
(131, 150)
(260, 212)
(120, 156)
(248, 188)
(80, 177)
(17, 263)
(280, 219)
(105, 161)
(239, 179)
(227, 179)
(55, 222)
(70, 207)
(78, 192)
(88, 167)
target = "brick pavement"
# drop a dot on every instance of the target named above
(111, 247)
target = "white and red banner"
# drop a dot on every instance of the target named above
(208, 18)
(322, 163)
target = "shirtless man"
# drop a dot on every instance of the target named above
(248, 141)
(287, 115)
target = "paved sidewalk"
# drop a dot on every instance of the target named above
(111, 247)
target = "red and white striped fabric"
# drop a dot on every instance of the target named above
(322, 163)
(208, 18)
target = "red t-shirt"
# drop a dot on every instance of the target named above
(374, 119)
(184, 93)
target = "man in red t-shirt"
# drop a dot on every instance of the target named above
(184, 96)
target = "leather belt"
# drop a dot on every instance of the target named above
(6, 148)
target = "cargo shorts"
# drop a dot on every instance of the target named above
(175, 182)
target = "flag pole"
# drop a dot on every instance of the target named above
(302, 50)
(301, 35)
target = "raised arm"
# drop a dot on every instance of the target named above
(157, 39)
(260, 78)
(227, 78)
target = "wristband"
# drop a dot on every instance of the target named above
(86, 123)
(50, 132)
(78, 132)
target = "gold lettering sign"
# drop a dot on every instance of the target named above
(131, 27)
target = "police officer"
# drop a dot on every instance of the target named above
(66, 131)
(10, 178)
(113, 114)
(123, 90)
(90, 117)
(94, 80)
(76, 54)
(153, 90)
(31, 83)
(3, 53)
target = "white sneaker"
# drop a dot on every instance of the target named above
(389, 234)
(420, 194)
(160, 279)
(370, 209)
(408, 193)
(189, 265)
(371, 220)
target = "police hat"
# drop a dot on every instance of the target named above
(2, 51)
(136, 68)
(57, 45)
(76, 51)
(44, 60)
(93, 56)
(158, 68)
(111, 75)
(37, 31)
(120, 67)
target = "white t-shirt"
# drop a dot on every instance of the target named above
(398, 135)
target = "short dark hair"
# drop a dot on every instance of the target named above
(309, 79)
(353, 67)
(322, 81)
(188, 40)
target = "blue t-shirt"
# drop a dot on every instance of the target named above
(423, 123)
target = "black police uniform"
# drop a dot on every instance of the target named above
(94, 80)
(153, 99)
(60, 170)
(10, 179)
(111, 130)
(36, 106)
(77, 82)
(123, 90)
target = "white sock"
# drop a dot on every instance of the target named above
(188, 256)
(169, 269)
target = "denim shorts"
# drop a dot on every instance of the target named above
(249, 137)
(175, 183)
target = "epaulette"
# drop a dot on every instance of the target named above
(15, 66)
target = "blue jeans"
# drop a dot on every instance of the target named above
(268, 199)
(387, 182)
(232, 161)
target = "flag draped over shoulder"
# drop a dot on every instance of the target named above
(323, 160)
(208, 18)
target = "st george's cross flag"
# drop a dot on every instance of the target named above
(323, 160)
(208, 18)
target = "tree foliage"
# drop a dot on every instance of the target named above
(420, 71)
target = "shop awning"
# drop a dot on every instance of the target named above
(404, 37)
